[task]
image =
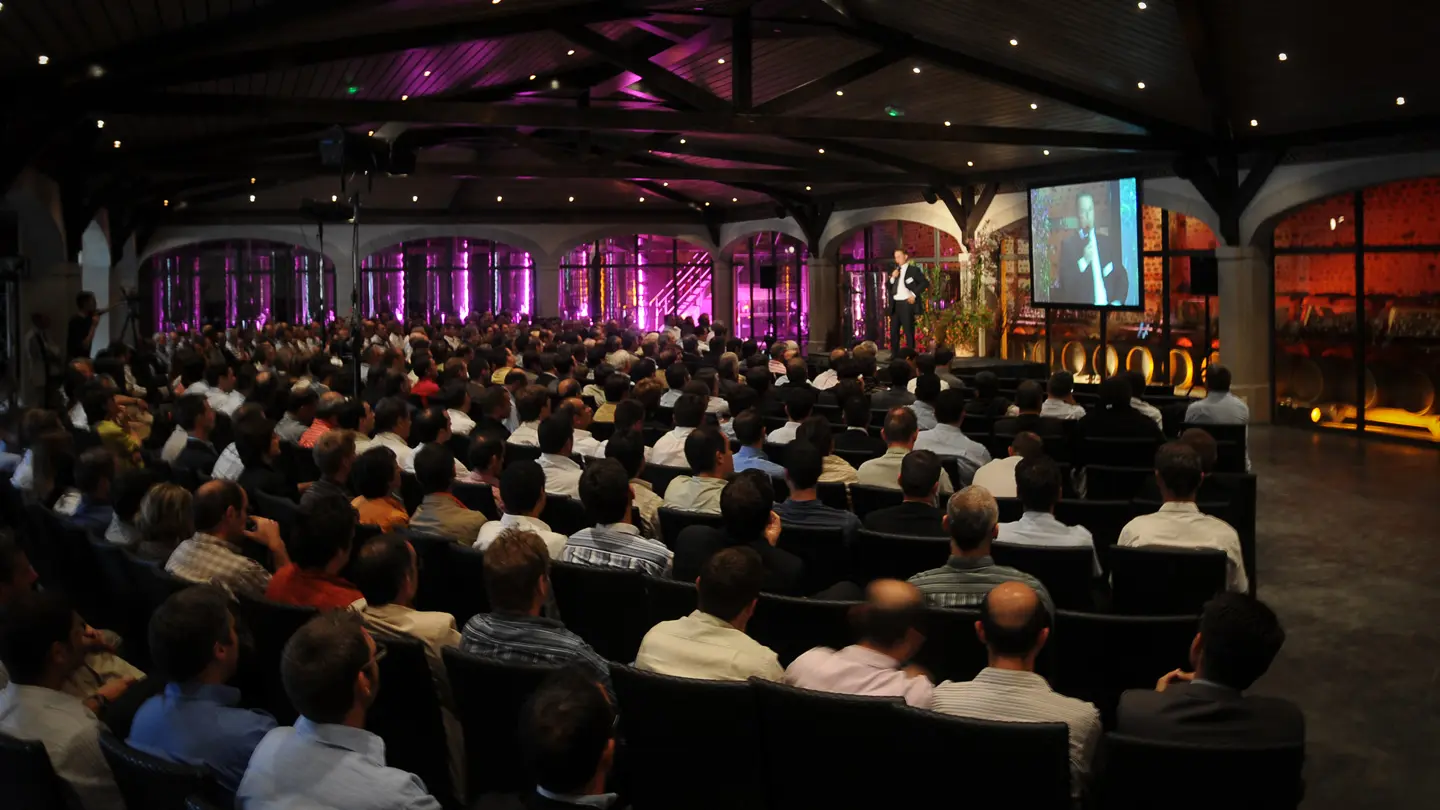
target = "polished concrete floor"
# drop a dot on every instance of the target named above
(1349, 557)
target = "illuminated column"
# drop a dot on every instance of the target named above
(1245, 325)
(823, 302)
(547, 284)
(722, 291)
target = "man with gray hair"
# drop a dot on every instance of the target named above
(971, 520)
(334, 455)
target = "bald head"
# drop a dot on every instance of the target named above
(331, 403)
(889, 619)
(1013, 621)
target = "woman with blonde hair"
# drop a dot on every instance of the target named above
(166, 519)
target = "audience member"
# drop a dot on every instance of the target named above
(522, 497)
(855, 410)
(327, 759)
(1180, 523)
(987, 404)
(1014, 625)
(300, 409)
(533, 406)
(213, 556)
(629, 449)
(897, 395)
(581, 418)
(557, 442)
(888, 626)
(1212, 489)
(495, 407)
(1219, 407)
(613, 541)
(927, 392)
(998, 475)
(441, 515)
(669, 449)
(1037, 480)
(1025, 415)
(567, 741)
(948, 440)
(197, 418)
(747, 505)
(1060, 403)
(971, 519)
(91, 510)
(327, 418)
(917, 515)
(486, 458)
(816, 432)
(707, 453)
(128, 491)
(334, 456)
(803, 507)
(1115, 418)
(392, 430)
(900, 434)
(319, 550)
(376, 476)
(749, 428)
(1137, 392)
(257, 447)
(798, 405)
(710, 643)
(197, 720)
(165, 521)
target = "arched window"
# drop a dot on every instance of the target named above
(446, 279)
(772, 280)
(639, 280)
(246, 283)
(866, 259)
(1357, 311)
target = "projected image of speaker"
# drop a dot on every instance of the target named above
(767, 277)
(1204, 276)
(1085, 245)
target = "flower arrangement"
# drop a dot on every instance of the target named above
(956, 312)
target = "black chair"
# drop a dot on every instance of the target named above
(959, 477)
(1162, 581)
(1241, 515)
(674, 521)
(1010, 509)
(668, 599)
(830, 730)
(63, 556)
(153, 584)
(281, 510)
(488, 697)
(454, 580)
(952, 651)
(185, 477)
(564, 515)
(1230, 457)
(775, 451)
(930, 742)
(867, 499)
(652, 434)
(1104, 519)
(833, 494)
(152, 783)
(855, 457)
(478, 497)
(1242, 777)
(406, 714)
(676, 729)
(1106, 483)
(781, 488)
(896, 556)
(298, 463)
(1118, 452)
(1066, 573)
(605, 606)
(665, 414)
(459, 446)
(30, 783)
(128, 614)
(272, 624)
(1098, 656)
(201, 803)
(602, 431)
(791, 626)
(520, 452)
(824, 551)
(410, 491)
(659, 476)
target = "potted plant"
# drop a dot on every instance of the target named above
(956, 310)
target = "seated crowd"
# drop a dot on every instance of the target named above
(276, 484)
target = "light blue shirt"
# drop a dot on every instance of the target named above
(748, 458)
(198, 724)
(1042, 529)
(322, 765)
(948, 440)
(1218, 408)
(924, 415)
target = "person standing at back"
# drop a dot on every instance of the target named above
(331, 673)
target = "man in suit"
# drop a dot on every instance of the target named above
(907, 283)
(1239, 637)
(1090, 272)
(916, 516)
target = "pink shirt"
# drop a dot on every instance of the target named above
(858, 670)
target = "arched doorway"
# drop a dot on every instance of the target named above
(866, 258)
(236, 282)
(446, 279)
(772, 282)
(638, 280)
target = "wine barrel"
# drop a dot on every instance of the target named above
(1072, 357)
(1112, 360)
(1405, 388)
(1338, 374)
(1140, 359)
(1298, 378)
(1182, 369)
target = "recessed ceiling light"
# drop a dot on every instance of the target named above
(100, 124)
(1254, 123)
(1140, 85)
(44, 60)
(252, 198)
(117, 144)
(252, 181)
(426, 74)
(1014, 42)
(570, 52)
(915, 69)
(666, 184)
(822, 150)
(572, 199)
(970, 163)
(334, 198)
(721, 60)
(682, 140)
(499, 199)
(707, 203)
(415, 198)
(947, 123)
(494, 2)
(807, 188)
(405, 98)
(1400, 101)
(166, 203)
(1283, 57)
(1047, 152)
(371, 133)
(1141, 6)
(734, 199)
(532, 77)
(839, 92)
(642, 199)
(1034, 106)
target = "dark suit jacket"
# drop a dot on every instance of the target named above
(1119, 423)
(1209, 714)
(1076, 287)
(265, 478)
(1043, 426)
(860, 441)
(910, 519)
(198, 456)
(696, 544)
(893, 398)
(915, 282)
(488, 426)
(994, 408)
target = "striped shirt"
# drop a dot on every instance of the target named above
(964, 581)
(208, 559)
(228, 466)
(1023, 697)
(524, 639)
(618, 545)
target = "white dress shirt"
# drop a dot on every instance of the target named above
(902, 291)
(998, 476)
(825, 380)
(460, 422)
(1149, 410)
(587, 445)
(228, 466)
(527, 433)
(226, 402)
(948, 440)
(1060, 409)
(71, 735)
(707, 648)
(78, 417)
(554, 543)
(669, 398)
(784, 434)
(1183, 525)
(562, 475)
(1042, 529)
(910, 386)
(404, 455)
(669, 450)
(173, 445)
(694, 494)
(858, 670)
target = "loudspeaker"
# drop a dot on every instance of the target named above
(1204, 276)
(767, 277)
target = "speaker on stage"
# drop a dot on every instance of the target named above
(1204, 275)
(767, 277)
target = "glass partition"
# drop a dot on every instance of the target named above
(446, 279)
(865, 261)
(244, 283)
(637, 280)
(772, 280)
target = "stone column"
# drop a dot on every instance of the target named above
(547, 285)
(722, 291)
(1245, 305)
(823, 302)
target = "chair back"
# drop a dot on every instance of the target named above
(673, 521)
(1011, 509)
(1104, 482)
(1097, 656)
(830, 729)
(151, 782)
(478, 497)
(952, 651)
(1245, 777)
(1065, 572)
(30, 782)
(824, 551)
(791, 626)
(1241, 514)
(564, 515)
(1160, 581)
(298, 463)
(153, 584)
(775, 451)
(1104, 519)
(668, 599)
(406, 714)
(896, 556)
(676, 729)
(659, 476)
(454, 580)
(652, 434)
(520, 452)
(855, 457)
(272, 624)
(602, 431)
(1119, 451)
(281, 510)
(410, 491)
(1230, 457)
(459, 445)
(127, 611)
(867, 499)
(489, 695)
(833, 494)
(71, 561)
(605, 606)
(931, 742)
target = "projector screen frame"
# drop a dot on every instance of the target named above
(1139, 305)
